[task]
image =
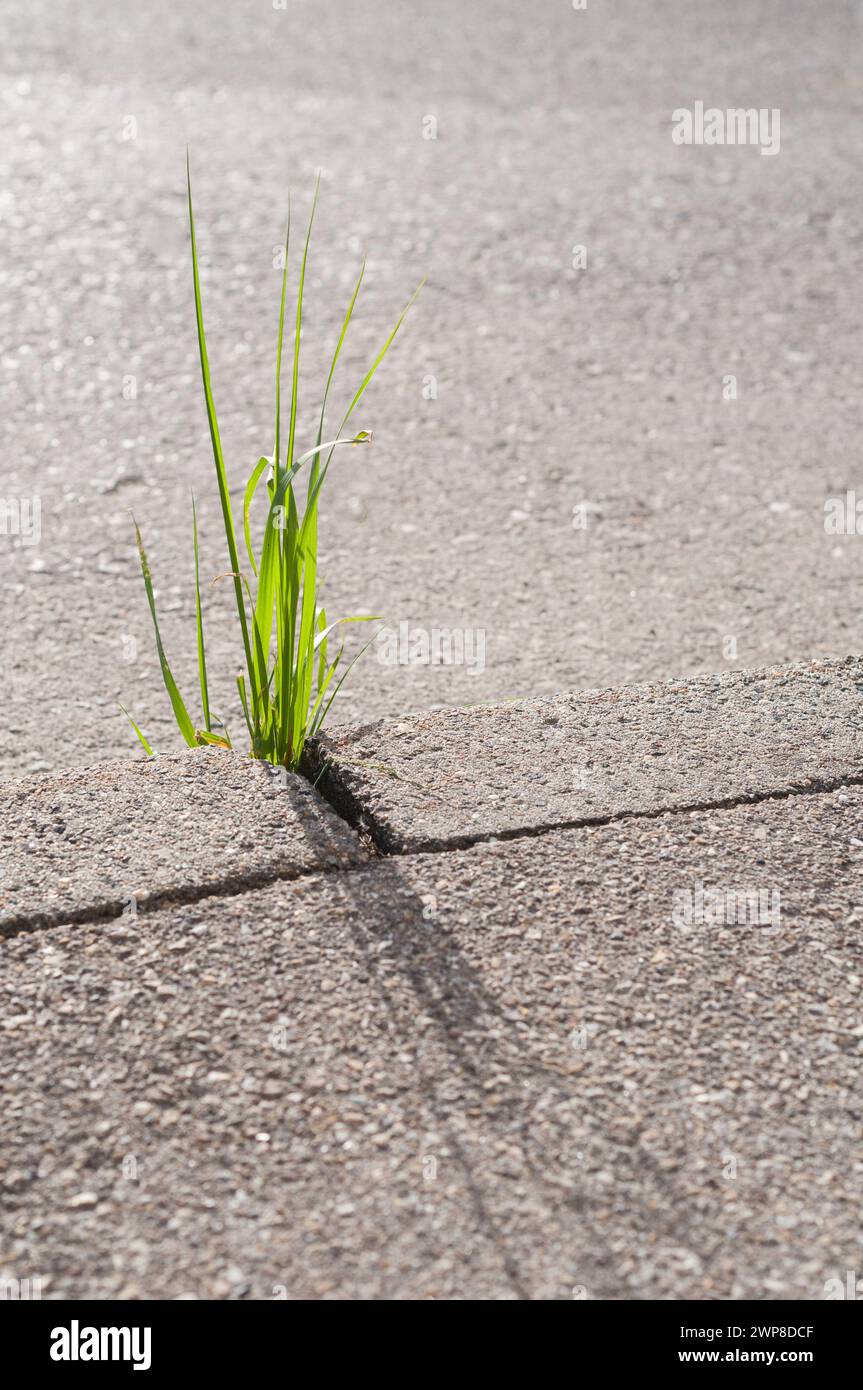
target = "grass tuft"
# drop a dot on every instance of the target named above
(292, 667)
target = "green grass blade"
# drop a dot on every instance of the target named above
(204, 736)
(181, 714)
(147, 749)
(251, 489)
(316, 485)
(324, 629)
(297, 330)
(337, 353)
(318, 653)
(291, 578)
(219, 723)
(308, 543)
(218, 457)
(361, 437)
(318, 716)
(241, 686)
(278, 443)
(321, 641)
(202, 661)
(380, 357)
(364, 437)
(269, 574)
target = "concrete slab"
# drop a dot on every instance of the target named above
(106, 840)
(448, 778)
(504, 1072)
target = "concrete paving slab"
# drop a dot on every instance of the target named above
(450, 777)
(691, 394)
(106, 840)
(515, 1071)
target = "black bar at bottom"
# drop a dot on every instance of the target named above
(165, 1338)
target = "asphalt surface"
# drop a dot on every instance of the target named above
(554, 387)
(446, 779)
(515, 1071)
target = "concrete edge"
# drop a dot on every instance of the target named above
(362, 789)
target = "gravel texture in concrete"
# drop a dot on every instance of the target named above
(521, 1070)
(450, 777)
(659, 341)
(105, 840)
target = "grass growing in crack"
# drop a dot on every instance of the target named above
(289, 680)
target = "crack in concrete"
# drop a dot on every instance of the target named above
(345, 802)
(114, 909)
(360, 820)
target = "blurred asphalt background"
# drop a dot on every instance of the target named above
(705, 546)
